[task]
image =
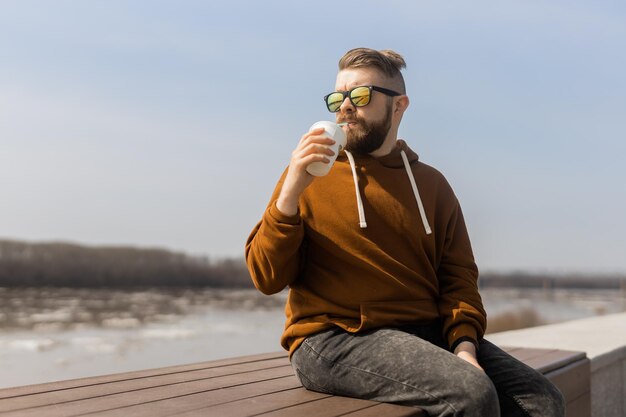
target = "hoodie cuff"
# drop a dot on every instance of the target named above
(460, 333)
(463, 339)
(280, 217)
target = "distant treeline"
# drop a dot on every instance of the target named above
(69, 265)
(552, 281)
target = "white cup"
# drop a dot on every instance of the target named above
(334, 131)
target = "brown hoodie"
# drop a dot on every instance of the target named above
(392, 272)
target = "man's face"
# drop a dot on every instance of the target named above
(369, 125)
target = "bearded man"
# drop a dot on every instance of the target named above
(383, 297)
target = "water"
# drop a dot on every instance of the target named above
(56, 334)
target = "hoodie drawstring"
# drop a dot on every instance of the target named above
(359, 202)
(416, 193)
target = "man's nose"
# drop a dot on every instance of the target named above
(347, 106)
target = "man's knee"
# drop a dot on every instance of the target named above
(481, 398)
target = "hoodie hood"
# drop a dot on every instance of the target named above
(392, 160)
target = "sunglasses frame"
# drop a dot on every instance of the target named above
(349, 92)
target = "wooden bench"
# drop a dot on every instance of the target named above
(247, 386)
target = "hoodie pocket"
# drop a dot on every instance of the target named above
(376, 314)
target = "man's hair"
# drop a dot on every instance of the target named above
(387, 61)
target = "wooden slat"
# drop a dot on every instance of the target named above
(526, 354)
(107, 402)
(192, 402)
(510, 349)
(73, 383)
(261, 404)
(553, 360)
(325, 407)
(134, 384)
(384, 410)
(544, 360)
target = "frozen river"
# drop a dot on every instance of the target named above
(53, 334)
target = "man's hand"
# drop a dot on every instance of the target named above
(311, 148)
(467, 352)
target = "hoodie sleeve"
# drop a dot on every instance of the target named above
(460, 304)
(273, 248)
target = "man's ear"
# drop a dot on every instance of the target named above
(402, 103)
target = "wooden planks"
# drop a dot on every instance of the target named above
(128, 391)
(246, 386)
(72, 383)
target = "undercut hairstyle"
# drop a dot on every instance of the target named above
(386, 61)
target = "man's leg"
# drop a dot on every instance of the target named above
(392, 365)
(522, 391)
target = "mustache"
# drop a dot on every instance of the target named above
(347, 119)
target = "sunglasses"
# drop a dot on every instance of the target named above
(359, 96)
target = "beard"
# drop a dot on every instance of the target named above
(366, 137)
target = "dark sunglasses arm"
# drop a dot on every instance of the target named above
(385, 91)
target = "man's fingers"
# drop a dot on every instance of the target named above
(316, 135)
(310, 149)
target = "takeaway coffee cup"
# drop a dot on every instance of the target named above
(334, 131)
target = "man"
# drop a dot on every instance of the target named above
(383, 299)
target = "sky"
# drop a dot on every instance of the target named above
(167, 123)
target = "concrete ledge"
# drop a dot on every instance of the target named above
(603, 338)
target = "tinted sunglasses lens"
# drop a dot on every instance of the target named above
(333, 101)
(360, 96)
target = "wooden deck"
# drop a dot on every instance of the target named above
(247, 386)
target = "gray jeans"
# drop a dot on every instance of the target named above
(413, 366)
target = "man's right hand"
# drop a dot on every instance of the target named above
(467, 351)
(311, 148)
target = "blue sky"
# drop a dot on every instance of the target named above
(162, 123)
